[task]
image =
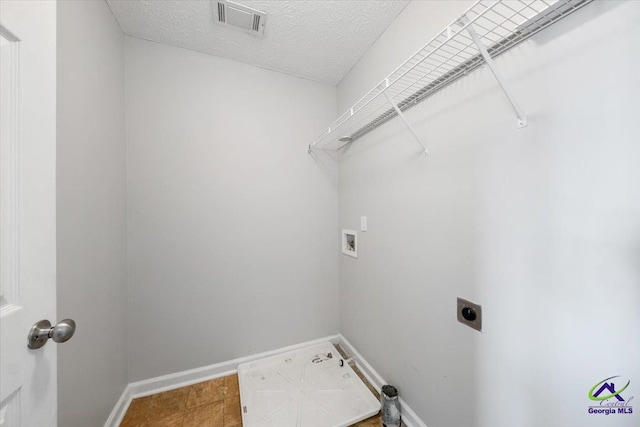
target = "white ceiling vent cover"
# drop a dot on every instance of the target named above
(239, 16)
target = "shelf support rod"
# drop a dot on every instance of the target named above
(522, 117)
(406, 122)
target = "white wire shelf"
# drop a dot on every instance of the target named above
(485, 30)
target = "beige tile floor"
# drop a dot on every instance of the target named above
(214, 403)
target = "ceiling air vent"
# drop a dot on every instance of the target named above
(239, 16)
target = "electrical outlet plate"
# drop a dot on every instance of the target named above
(470, 314)
(363, 223)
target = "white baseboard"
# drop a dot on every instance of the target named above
(117, 414)
(205, 373)
(193, 376)
(409, 418)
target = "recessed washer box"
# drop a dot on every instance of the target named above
(304, 388)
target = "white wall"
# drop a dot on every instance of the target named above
(232, 225)
(541, 226)
(91, 213)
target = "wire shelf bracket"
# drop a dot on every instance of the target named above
(522, 118)
(485, 30)
(404, 119)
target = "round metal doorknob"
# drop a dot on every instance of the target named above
(40, 333)
(63, 331)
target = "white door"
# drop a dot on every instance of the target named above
(27, 210)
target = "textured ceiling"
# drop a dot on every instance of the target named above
(318, 40)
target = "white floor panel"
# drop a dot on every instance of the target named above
(304, 388)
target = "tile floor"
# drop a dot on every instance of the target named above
(214, 403)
